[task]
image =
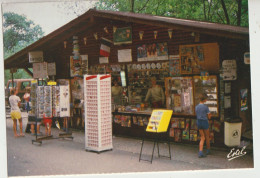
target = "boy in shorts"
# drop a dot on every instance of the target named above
(15, 103)
(203, 114)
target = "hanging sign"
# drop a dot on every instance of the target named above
(229, 69)
(125, 55)
(247, 58)
(51, 69)
(40, 70)
(103, 60)
(51, 83)
(35, 56)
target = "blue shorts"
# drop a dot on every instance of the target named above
(202, 124)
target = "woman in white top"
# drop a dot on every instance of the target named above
(15, 103)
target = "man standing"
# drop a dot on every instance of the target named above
(155, 94)
(15, 103)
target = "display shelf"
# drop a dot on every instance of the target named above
(179, 95)
(98, 118)
(139, 79)
(210, 87)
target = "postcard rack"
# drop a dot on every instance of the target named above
(51, 102)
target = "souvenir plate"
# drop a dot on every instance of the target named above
(134, 66)
(138, 66)
(158, 65)
(153, 65)
(143, 66)
(148, 66)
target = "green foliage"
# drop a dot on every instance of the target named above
(18, 33)
(203, 10)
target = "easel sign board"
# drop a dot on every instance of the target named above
(159, 120)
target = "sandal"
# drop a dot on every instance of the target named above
(21, 135)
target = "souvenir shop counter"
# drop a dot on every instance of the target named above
(182, 128)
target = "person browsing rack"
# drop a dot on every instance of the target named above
(203, 114)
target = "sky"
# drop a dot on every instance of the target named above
(49, 15)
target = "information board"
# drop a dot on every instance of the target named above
(159, 121)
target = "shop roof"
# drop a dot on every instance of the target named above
(20, 59)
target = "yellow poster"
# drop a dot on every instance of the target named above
(159, 121)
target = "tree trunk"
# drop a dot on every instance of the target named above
(204, 9)
(239, 2)
(225, 11)
(132, 5)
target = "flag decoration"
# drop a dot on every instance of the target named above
(105, 47)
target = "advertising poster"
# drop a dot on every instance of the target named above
(244, 103)
(122, 35)
(174, 65)
(75, 67)
(152, 52)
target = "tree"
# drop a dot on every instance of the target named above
(18, 33)
(233, 12)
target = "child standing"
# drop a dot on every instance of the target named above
(203, 114)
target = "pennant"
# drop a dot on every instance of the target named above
(105, 47)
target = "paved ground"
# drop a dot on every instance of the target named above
(59, 157)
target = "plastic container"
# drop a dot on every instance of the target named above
(232, 132)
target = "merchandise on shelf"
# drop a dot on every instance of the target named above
(179, 95)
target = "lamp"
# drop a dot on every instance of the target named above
(85, 40)
(141, 34)
(155, 34)
(65, 44)
(170, 33)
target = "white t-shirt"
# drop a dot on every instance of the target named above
(14, 100)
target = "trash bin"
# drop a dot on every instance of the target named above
(232, 132)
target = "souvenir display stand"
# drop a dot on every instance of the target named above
(41, 106)
(158, 123)
(61, 106)
(98, 117)
(50, 102)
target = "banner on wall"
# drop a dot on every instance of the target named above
(122, 35)
(152, 52)
(105, 47)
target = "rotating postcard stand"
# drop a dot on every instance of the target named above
(51, 102)
(158, 123)
(42, 106)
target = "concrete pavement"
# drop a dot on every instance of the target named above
(65, 156)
